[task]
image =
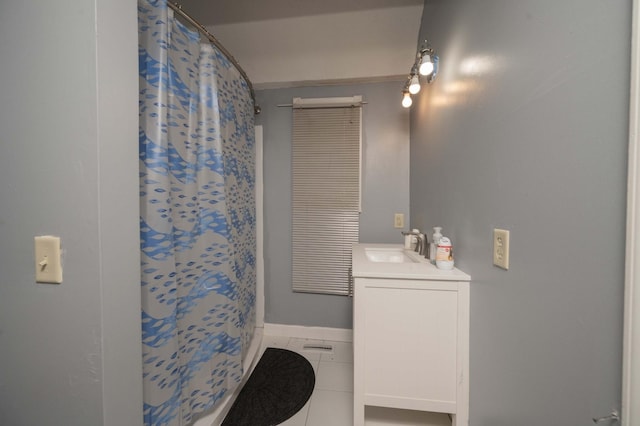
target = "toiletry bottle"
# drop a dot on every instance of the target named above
(410, 239)
(407, 240)
(444, 254)
(414, 238)
(434, 243)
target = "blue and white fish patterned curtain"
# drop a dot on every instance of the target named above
(197, 181)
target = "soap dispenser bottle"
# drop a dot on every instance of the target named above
(437, 234)
(444, 254)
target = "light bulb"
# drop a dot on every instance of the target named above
(406, 100)
(414, 85)
(426, 66)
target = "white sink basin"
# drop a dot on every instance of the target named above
(394, 261)
(387, 255)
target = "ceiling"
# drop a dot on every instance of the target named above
(287, 43)
(216, 12)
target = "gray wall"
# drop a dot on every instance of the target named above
(385, 192)
(69, 353)
(526, 129)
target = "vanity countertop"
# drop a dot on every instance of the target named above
(418, 269)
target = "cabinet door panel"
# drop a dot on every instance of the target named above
(410, 343)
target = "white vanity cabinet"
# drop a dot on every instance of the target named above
(411, 336)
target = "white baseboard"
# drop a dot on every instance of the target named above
(301, 331)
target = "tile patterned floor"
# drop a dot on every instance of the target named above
(332, 399)
(331, 403)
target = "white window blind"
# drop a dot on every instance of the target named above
(326, 192)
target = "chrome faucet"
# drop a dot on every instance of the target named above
(422, 248)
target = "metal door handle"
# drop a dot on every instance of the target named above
(613, 417)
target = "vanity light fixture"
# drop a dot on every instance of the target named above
(425, 55)
(406, 99)
(426, 65)
(414, 84)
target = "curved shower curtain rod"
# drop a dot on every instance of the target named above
(177, 7)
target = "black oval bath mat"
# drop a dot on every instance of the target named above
(278, 388)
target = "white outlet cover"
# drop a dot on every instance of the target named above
(501, 248)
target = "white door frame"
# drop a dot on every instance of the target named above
(630, 412)
(259, 227)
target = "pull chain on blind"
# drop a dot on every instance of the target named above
(326, 196)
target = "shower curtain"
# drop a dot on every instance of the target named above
(197, 219)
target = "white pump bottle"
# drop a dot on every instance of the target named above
(437, 234)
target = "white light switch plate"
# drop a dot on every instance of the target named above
(398, 220)
(48, 261)
(501, 248)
